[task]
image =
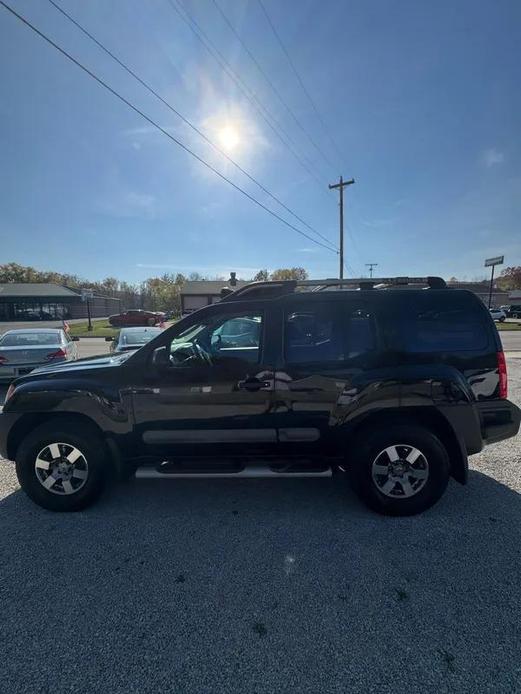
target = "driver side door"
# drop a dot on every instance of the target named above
(215, 398)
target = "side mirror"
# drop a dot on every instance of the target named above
(74, 338)
(161, 358)
(108, 339)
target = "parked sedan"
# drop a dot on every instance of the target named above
(497, 314)
(136, 317)
(23, 350)
(514, 311)
(129, 339)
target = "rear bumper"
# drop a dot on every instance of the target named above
(500, 419)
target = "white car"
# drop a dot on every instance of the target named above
(26, 349)
(497, 314)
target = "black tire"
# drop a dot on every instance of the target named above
(70, 434)
(367, 448)
(502, 319)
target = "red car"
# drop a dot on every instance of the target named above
(136, 316)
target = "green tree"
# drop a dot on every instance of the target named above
(12, 272)
(163, 293)
(510, 278)
(293, 273)
(110, 285)
(261, 276)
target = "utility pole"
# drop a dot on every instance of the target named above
(340, 185)
(371, 266)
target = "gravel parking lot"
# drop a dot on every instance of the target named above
(263, 586)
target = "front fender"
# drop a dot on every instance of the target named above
(109, 408)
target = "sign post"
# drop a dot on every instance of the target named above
(492, 262)
(86, 295)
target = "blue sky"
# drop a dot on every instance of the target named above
(422, 100)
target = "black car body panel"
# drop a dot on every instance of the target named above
(328, 366)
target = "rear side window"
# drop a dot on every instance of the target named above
(327, 333)
(441, 322)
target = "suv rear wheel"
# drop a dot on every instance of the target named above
(61, 467)
(400, 471)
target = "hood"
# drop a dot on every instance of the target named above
(105, 361)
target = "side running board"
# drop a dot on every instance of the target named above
(250, 471)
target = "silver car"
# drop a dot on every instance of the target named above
(129, 339)
(23, 350)
(498, 314)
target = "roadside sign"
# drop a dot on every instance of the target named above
(87, 294)
(492, 262)
(498, 260)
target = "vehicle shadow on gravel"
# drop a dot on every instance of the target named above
(289, 581)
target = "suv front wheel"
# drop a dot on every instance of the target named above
(401, 470)
(61, 467)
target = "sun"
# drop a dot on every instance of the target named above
(229, 138)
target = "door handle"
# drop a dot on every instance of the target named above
(252, 384)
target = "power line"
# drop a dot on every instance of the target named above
(185, 120)
(156, 125)
(349, 270)
(353, 241)
(371, 266)
(252, 98)
(299, 79)
(269, 81)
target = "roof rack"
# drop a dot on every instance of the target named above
(273, 289)
(262, 290)
(376, 283)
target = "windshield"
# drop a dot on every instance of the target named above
(137, 337)
(29, 339)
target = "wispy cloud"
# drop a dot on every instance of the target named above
(306, 250)
(492, 157)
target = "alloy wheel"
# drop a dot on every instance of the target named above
(61, 468)
(400, 471)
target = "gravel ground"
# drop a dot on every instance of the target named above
(263, 586)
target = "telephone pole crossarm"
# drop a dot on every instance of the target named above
(371, 266)
(341, 185)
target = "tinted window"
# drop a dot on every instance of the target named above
(223, 337)
(328, 333)
(443, 322)
(238, 331)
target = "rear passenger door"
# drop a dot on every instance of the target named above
(328, 346)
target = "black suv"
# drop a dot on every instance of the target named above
(390, 382)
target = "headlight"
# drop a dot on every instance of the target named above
(9, 393)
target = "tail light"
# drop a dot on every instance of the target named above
(59, 354)
(3, 360)
(503, 378)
